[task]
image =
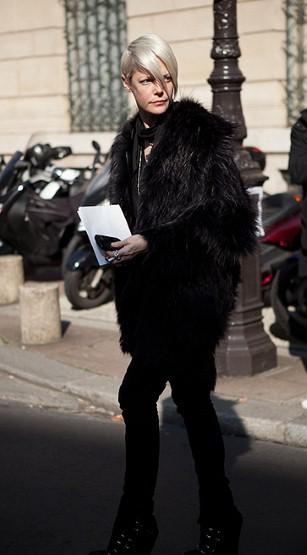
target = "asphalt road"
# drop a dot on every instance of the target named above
(60, 477)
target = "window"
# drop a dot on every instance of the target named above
(96, 37)
(296, 50)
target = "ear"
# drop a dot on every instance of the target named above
(126, 82)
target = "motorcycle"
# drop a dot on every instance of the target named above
(38, 202)
(288, 295)
(282, 229)
(86, 284)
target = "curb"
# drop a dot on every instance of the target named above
(101, 392)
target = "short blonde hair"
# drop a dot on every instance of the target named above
(142, 54)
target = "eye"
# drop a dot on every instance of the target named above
(167, 78)
(145, 81)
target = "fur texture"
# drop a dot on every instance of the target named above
(174, 302)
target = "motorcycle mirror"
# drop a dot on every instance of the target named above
(60, 152)
(96, 146)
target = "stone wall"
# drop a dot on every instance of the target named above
(189, 29)
(34, 84)
(33, 73)
(188, 26)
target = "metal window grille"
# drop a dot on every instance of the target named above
(95, 37)
(296, 52)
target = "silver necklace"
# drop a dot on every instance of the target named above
(139, 172)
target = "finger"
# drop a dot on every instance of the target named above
(118, 244)
(124, 251)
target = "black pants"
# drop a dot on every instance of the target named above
(138, 397)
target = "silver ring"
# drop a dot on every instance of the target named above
(115, 253)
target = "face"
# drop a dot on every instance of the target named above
(151, 98)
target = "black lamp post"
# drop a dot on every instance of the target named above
(247, 349)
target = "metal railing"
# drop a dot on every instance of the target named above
(296, 56)
(96, 36)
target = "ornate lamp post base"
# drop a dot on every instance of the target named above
(246, 349)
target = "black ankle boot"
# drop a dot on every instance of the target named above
(136, 538)
(222, 540)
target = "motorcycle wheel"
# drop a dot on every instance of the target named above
(90, 289)
(287, 295)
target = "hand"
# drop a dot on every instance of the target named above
(128, 248)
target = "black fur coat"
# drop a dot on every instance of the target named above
(173, 302)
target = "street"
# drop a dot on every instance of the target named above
(61, 476)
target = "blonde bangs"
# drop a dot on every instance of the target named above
(144, 54)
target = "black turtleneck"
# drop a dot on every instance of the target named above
(143, 134)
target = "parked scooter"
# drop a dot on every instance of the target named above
(86, 284)
(282, 226)
(38, 202)
(288, 293)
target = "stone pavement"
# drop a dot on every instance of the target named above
(82, 372)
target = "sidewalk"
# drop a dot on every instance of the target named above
(83, 372)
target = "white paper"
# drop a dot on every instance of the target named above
(259, 222)
(103, 220)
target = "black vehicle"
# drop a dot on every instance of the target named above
(282, 229)
(38, 202)
(86, 284)
(288, 292)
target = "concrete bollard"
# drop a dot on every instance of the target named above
(40, 313)
(11, 277)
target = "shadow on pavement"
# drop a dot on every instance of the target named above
(228, 418)
(61, 479)
(297, 344)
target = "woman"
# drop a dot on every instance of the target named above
(175, 281)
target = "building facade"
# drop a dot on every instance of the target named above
(59, 68)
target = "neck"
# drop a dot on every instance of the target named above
(147, 119)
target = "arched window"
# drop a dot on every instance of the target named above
(96, 37)
(296, 51)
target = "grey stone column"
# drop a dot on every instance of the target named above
(11, 277)
(40, 313)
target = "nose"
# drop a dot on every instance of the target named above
(159, 91)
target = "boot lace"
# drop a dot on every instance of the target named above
(210, 541)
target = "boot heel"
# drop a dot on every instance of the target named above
(220, 541)
(147, 546)
(137, 538)
(232, 535)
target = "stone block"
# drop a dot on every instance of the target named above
(9, 76)
(14, 45)
(33, 114)
(11, 278)
(46, 42)
(42, 75)
(40, 313)
(49, 42)
(30, 14)
(139, 7)
(263, 56)
(264, 116)
(193, 59)
(8, 16)
(251, 18)
(264, 103)
(180, 25)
